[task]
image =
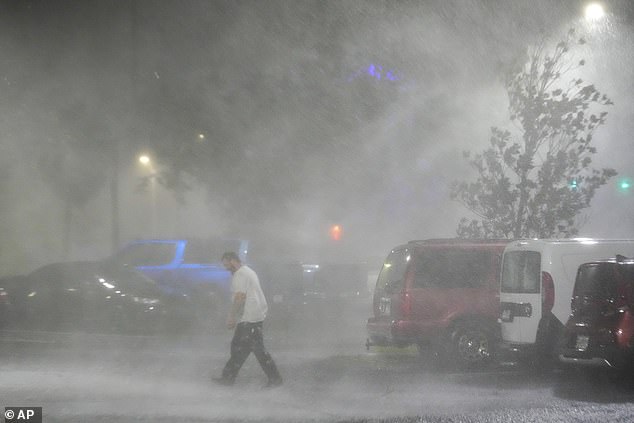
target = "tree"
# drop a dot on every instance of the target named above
(72, 162)
(536, 182)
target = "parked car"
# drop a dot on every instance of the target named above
(342, 280)
(92, 297)
(442, 293)
(317, 294)
(600, 330)
(538, 277)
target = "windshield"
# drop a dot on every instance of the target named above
(604, 280)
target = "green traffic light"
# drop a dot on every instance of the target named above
(624, 185)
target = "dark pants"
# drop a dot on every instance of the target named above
(247, 338)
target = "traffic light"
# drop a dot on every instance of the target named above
(625, 185)
(335, 232)
(573, 184)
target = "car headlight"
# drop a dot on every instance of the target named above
(146, 301)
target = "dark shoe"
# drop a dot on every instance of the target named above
(273, 383)
(222, 381)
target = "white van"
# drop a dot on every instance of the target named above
(538, 277)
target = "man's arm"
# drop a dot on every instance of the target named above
(237, 309)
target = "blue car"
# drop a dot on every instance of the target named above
(186, 268)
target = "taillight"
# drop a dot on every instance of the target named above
(548, 293)
(625, 331)
(406, 303)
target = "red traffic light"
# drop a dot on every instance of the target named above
(335, 232)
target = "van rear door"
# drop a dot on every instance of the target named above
(520, 296)
(390, 283)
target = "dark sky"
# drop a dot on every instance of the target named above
(313, 112)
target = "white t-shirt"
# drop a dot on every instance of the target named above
(255, 307)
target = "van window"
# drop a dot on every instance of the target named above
(393, 272)
(521, 272)
(452, 268)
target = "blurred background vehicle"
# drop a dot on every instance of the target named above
(323, 299)
(182, 265)
(186, 267)
(92, 297)
(153, 285)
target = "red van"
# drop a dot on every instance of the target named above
(442, 293)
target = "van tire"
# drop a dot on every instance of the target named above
(471, 345)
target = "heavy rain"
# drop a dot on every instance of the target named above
(310, 137)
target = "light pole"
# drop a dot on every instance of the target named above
(114, 198)
(146, 162)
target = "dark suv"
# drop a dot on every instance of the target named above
(600, 330)
(443, 293)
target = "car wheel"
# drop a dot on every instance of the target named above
(471, 345)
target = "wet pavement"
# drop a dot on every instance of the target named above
(83, 378)
(329, 376)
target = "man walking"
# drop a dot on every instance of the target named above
(246, 316)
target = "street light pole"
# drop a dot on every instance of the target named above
(153, 206)
(145, 160)
(114, 196)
